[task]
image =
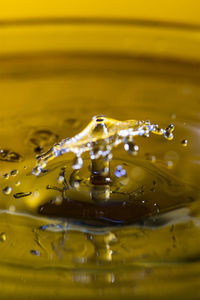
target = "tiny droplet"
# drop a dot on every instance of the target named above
(7, 190)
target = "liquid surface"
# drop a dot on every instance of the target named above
(63, 241)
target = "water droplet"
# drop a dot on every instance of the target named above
(168, 134)
(22, 194)
(37, 170)
(7, 190)
(14, 172)
(6, 176)
(3, 237)
(184, 143)
(77, 164)
(35, 252)
(7, 155)
(17, 183)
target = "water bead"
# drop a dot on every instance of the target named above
(184, 143)
(7, 190)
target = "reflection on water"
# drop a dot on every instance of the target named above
(54, 238)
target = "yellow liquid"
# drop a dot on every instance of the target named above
(46, 98)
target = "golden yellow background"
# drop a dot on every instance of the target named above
(175, 11)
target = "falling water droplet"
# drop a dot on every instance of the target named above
(7, 190)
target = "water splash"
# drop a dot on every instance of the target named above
(100, 137)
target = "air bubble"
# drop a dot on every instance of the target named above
(7, 190)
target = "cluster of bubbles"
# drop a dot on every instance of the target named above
(100, 137)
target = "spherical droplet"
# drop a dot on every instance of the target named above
(7, 190)
(6, 176)
(184, 143)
